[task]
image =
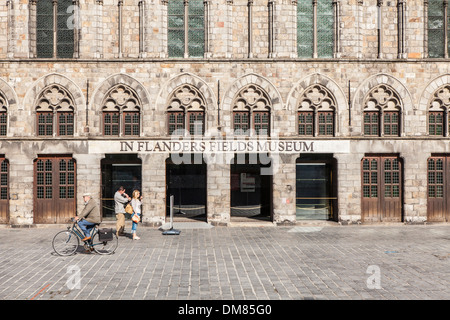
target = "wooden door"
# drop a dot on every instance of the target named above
(55, 189)
(4, 190)
(381, 189)
(438, 208)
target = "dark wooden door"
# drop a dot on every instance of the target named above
(4, 190)
(438, 207)
(381, 189)
(55, 189)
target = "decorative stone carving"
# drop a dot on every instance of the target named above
(3, 103)
(317, 97)
(252, 97)
(54, 97)
(382, 97)
(121, 97)
(186, 97)
(440, 99)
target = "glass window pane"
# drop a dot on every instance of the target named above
(325, 26)
(305, 29)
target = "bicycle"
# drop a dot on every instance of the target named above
(66, 242)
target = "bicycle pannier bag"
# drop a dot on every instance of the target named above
(105, 234)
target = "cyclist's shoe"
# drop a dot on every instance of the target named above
(86, 239)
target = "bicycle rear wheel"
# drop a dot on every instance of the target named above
(65, 243)
(104, 247)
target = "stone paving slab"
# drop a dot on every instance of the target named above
(239, 263)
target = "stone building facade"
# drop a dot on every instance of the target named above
(87, 85)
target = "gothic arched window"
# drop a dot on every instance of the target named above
(55, 112)
(382, 112)
(438, 120)
(251, 111)
(121, 112)
(316, 112)
(186, 111)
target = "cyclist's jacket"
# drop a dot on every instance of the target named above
(91, 213)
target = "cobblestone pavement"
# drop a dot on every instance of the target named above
(236, 263)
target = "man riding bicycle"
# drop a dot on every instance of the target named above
(89, 217)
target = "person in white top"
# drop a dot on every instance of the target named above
(136, 204)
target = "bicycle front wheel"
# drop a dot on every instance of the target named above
(65, 243)
(104, 247)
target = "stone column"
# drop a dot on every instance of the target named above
(415, 184)
(229, 28)
(21, 176)
(142, 29)
(284, 188)
(401, 29)
(120, 28)
(99, 29)
(206, 4)
(89, 177)
(250, 29)
(337, 29)
(380, 28)
(153, 188)
(271, 28)
(425, 29)
(218, 202)
(349, 184)
(11, 32)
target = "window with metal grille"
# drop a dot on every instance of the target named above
(370, 178)
(436, 178)
(306, 123)
(436, 29)
(4, 171)
(175, 34)
(66, 179)
(186, 26)
(131, 123)
(326, 123)
(315, 23)
(111, 123)
(44, 29)
(305, 29)
(196, 122)
(261, 122)
(65, 33)
(176, 122)
(391, 178)
(436, 123)
(52, 25)
(371, 123)
(65, 123)
(44, 170)
(241, 122)
(3, 123)
(325, 28)
(391, 122)
(45, 123)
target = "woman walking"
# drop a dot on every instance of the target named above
(136, 204)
